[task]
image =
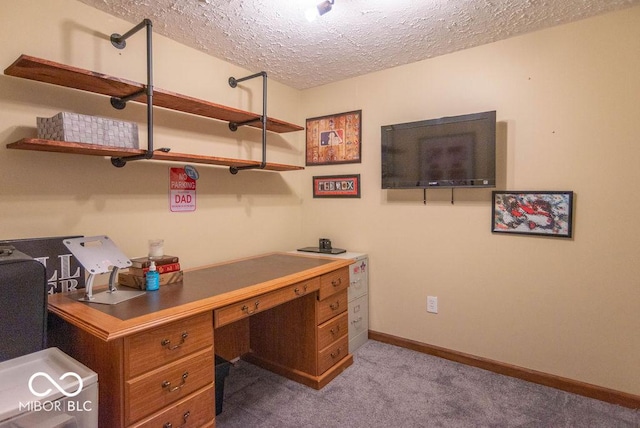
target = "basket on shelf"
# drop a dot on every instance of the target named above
(81, 128)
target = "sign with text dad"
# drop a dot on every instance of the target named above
(182, 189)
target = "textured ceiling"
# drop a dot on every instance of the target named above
(355, 38)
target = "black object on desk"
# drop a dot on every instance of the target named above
(324, 246)
(319, 250)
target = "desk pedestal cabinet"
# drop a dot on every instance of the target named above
(307, 339)
(358, 296)
(154, 355)
(151, 378)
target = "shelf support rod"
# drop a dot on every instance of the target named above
(119, 41)
(233, 82)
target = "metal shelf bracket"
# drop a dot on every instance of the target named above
(233, 82)
(120, 42)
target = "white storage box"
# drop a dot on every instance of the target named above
(81, 128)
(47, 389)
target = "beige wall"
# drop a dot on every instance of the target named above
(568, 112)
(568, 108)
(45, 194)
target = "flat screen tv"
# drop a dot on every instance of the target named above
(457, 151)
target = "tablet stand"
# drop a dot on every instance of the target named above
(98, 254)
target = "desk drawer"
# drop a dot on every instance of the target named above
(332, 354)
(194, 411)
(358, 316)
(358, 279)
(156, 347)
(332, 306)
(151, 392)
(333, 282)
(238, 311)
(332, 330)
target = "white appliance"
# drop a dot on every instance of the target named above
(47, 389)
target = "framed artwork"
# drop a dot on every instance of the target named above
(336, 186)
(533, 213)
(334, 139)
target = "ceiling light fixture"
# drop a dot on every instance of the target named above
(319, 10)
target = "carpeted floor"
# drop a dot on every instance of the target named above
(388, 386)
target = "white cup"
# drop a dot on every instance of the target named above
(156, 248)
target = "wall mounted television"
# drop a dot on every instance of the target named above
(456, 151)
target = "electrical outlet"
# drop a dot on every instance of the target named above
(432, 304)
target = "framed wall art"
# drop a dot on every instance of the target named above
(336, 186)
(533, 213)
(334, 139)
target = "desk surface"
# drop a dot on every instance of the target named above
(202, 289)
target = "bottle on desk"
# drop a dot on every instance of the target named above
(152, 279)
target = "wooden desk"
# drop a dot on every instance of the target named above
(154, 354)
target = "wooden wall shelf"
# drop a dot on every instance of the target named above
(42, 70)
(36, 144)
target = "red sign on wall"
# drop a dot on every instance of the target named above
(182, 189)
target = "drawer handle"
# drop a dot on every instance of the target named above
(335, 305)
(184, 418)
(335, 331)
(336, 282)
(356, 320)
(166, 343)
(166, 384)
(246, 310)
(335, 354)
(300, 293)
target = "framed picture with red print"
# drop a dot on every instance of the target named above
(543, 213)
